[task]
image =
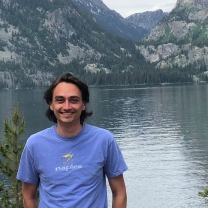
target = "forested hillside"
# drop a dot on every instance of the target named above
(40, 39)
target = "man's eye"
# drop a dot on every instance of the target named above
(59, 100)
(74, 100)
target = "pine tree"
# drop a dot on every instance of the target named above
(10, 152)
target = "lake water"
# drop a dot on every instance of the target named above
(162, 132)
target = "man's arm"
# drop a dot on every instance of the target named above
(29, 193)
(118, 188)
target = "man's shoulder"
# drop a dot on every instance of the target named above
(40, 134)
(100, 132)
(96, 128)
(44, 131)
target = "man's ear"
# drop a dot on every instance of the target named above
(51, 107)
(84, 106)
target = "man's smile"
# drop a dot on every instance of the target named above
(67, 113)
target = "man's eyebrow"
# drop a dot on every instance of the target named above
(60, 96)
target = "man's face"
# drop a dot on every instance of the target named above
(67, 103)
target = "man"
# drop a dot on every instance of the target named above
(69, 162)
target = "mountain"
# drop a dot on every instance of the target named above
(180, 40)
(40, 39)
(111, 20)
(147, 20)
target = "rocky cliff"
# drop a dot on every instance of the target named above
(181, 38)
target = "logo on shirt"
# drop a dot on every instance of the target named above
(67, 158)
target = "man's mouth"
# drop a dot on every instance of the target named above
(67, 113)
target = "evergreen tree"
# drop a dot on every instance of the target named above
(10, 152)
(204, 193)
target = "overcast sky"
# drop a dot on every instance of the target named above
(128, 7)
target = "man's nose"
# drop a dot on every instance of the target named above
(67, 105)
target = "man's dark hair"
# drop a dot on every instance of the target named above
(68, 78)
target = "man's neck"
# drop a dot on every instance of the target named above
(67, 131)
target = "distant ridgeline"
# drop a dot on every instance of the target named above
(41, 39)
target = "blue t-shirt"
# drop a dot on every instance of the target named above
(71, 171)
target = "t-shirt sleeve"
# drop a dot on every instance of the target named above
(26, 171)
(115, 164)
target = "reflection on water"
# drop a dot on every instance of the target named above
(162, 132)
